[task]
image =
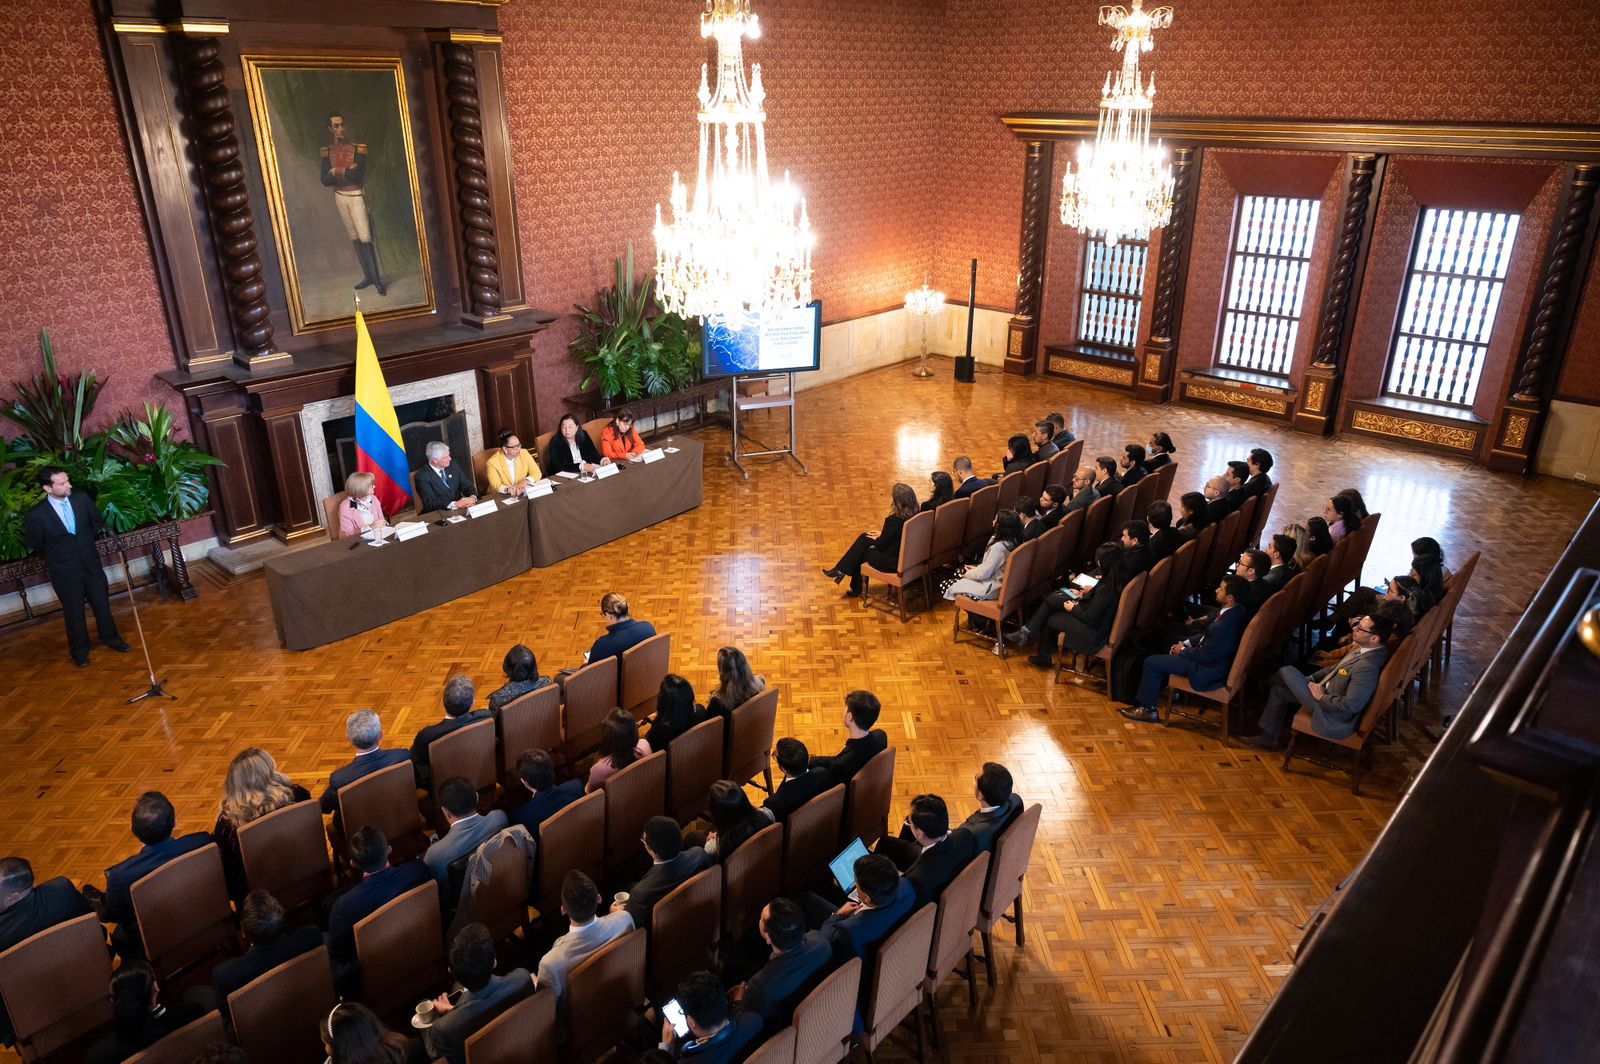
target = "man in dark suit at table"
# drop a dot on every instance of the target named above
(153, 824)
(622, 632)
(61, 529)
(379, 884)
(458, 713)
(366, 735)
(441, 485)
(261, 919)
(26, 910)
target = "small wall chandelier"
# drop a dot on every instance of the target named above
(1122, 186)
(743, 246)
(923, 304)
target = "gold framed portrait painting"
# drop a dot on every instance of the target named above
(334, 139)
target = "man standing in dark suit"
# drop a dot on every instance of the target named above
(61, 529)
(799, 960)
(380, 883)
(546, 797)
(801, 783)
(366, 733)
(1204, 659)
(25, 910)
(999, 806)
(671, 864)
(622, 632)
(153, 824)
(441, 485)
(458, 713)
(261, 919)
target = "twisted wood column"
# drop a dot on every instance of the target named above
(1022, 333)
(228, 200)
(1153, 382)
(480, 255)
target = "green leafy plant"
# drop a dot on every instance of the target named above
(18, 492)
(173, 470)
(629, 346)
(51, 409)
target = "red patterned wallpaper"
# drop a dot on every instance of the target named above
(1580, 376)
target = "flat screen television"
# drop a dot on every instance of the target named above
(790, 343)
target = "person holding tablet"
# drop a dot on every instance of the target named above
(511, 469)
(571, 449)
(620, 441)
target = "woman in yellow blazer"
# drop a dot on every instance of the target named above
(512, 469)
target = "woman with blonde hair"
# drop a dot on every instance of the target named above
(253, 788)
(1303, 554)
(737, 683)
(880, 549)
(361, 511)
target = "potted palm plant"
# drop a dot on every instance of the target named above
(629, 347)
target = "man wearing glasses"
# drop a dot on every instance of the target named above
(1337, 696)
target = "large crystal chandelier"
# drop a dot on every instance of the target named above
(1122, 186)
(744, 246)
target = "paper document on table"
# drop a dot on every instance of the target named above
(541, 489)
(454, 519)
(654, 455)
(569, 476)
(671, 450)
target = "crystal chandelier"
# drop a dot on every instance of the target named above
(742, 246)
(1122, 187)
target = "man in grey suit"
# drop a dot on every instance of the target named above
(485, 995)
(1336, 696)
(671, 865)
(580, 900)
(468, 829)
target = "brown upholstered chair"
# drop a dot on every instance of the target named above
(184, 914)
(330, 513)
(1013, 595)
(1199, 571)
(779, 1049)
(1096, 530)
(186, 1043)
(898, 972)
(634, 795)
(386, 800)
(1182, 563)
(1148, 487)
(1397, 673)
(1034, 478)
(1122, 506)
(500, 903)
(980, 518)
(1046, 562)
(480, 469)
(594, 428)
(752, 875)
(1263, 514)
(916, 546)
(273, 1016)
(1252, 645)
(522, 1033)
(541, 449)
(685, 928)
(400, 951)
(1061, 468)
(1165, 476)
(1071, 527)
(811, 839)
(1153, 602)
(866, 800)
(824, 1020)
(1241, 531)
(601, 991)
(466, 752)
(56, 986)
(694, 763)
(949, 533)
(1223, 553)
(1013, 850)
(952, 937)
(642, 669)
(1121, 626)
(286, 854)
(589, 694)
(1010, 487)
(532, 722)
(574, 838)
(748, 749)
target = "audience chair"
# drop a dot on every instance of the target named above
(1153, 601)
(330, 514)
(1074, 456)
(1061, 468)
(1010, 487)
(752, 875)
(633, 795)
(748, 749)
(1096, 526)
(1252, 645)
(1397, 673)
(1013, 850)
(1013, 596)
(1200, 569)
(480, 470)
(949, 533)
(187, 1042)
(573, 838)
(1183, 561)
(1034, 478)
(532, 722)
(1121, 627)
(1071, 545)
(274, 1016)
(1241, 532)
(286, 854)
(916, 547)
(898, 972)
(779, 1049)
(1148, 487)
(1122, 504)
(694, 763)
(415, 504)
(1263, 514)
(605, 988)
(500, 903)
(466, 752)
(56, 987)
(685, 929)
(823, 1022)
(1046, 562)
(867, 797)
(1223, 553)
(1165, 476)
(590, 694)
(386, 800)
(1455, 587)
(811, 839)
(952, 937)
(184, 915)
(523, 1033)
(642, 669)
(400, 951)
(980, 518)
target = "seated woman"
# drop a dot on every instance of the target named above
(353, 1034)
(620, 746)
(1194, 514)
(139, 1019)
(571, 449)
(944, 489)
(511, 469)
(1319, 540)
(1084, 625)
(676, 712)
(1340, 514)
(982, 581)
(880, 549)
(1159, 451)
(733, 818)
(522, 677)
(737, 683)
(1019, 454)
(361, 511)
(253, 788)
(1357, 502)
(619, 441)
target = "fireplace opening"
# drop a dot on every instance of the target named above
(421, 423)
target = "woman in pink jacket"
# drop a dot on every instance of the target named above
(361, 511)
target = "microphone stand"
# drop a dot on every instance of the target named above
(155, 690)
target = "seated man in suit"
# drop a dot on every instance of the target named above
(1164, 539)
(261, 919)
(586, 934)
(714, 1037)
(441, 484)
(927, 851)
(1216, 492)
(484, 995)
(458, 713)
(1083, 494)
(366, 735)
(25, 910)
(861, 709)
(1062, 437)
(466, 829)
(998, 806)
(1052, 508)
(671, 864)
(1204, 659)
(546, 798)
(1253, 565)
(1235, 476)
(801, 782)
(1337, 696)
(1135, 557)
(1106, 481)
(967, 481)
(622, 632)
(798, 962)
(1259, 465)
(378, 884)
(857, 927)
(1280, 556)
(1130, 466)
(153, 824)
(1042, 436)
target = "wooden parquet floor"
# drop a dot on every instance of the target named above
(1171, 875)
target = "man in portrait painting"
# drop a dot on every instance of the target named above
(344, 169)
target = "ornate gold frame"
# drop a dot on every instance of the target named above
(261, 119)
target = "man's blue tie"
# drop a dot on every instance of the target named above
(64, 508)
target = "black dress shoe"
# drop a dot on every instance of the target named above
(1261, 742)
(852, 594)
(833, 574)
(82, 663)
(118, 645)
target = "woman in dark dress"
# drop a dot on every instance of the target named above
(676, 712)
(944, 489)
(1087, 624)
(880, 549)
(734, 819)
(1019, 454)
(1196, 515)
(571, 450)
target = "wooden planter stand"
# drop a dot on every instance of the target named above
(173, 576)
(591, 405)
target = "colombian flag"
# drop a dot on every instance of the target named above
(379, 450)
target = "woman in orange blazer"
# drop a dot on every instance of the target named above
(619, 441)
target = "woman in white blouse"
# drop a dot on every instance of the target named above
(571, 450)
(361, 511)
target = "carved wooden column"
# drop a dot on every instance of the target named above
(480, 254)
(1544, 345)
(1153, 382)
(1022, 333)
(1319, 389)
(216, 148)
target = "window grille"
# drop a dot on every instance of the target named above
(1108, 301)
(1267, 283)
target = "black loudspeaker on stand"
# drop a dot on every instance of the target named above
(966, 366)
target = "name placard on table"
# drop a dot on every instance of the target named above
(654, 454)
(607, 471)
(409, 530)
(541, 489)
(487, 506)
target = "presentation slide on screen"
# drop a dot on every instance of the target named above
(771, 345)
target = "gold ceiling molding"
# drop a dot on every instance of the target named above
(197, 27)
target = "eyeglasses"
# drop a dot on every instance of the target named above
(513, 446)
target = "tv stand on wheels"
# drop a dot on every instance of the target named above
(766, 400)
